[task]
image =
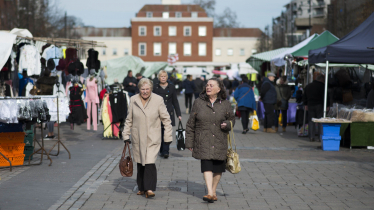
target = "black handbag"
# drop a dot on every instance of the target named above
(180, 137)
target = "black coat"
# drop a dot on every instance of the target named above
(118, 104)
(126, 84)
(199, 85)
(314, 94)
(169, 94)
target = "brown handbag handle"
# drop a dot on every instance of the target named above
(124, 150)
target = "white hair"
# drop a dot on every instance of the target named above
(161, 73)
(145, 81)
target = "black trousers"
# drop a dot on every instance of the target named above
(284, 118)
(269, 115)
(244, 114)
(197, 95)
(146, 177)
(188, 101)
(314, 111)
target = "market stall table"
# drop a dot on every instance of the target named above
(357, 134)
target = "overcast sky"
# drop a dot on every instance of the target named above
(117, 13)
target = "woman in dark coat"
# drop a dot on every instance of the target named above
(169, 94)
(206, 133)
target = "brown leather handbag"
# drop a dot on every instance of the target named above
(125, 164)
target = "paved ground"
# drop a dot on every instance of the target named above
(279, 171)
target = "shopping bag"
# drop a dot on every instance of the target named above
(254, 122)
(181, 136)
(232, 157)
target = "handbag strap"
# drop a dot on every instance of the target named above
(244, 94)
(229, 137)
(180, 125)
(127, 145)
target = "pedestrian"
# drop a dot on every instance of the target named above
(245, 98)
(227, 84)
(169, 94)
(199, 86)
(206, 133)
(155, 79)
(189, 89)
(314, 96)
(146, 112)
(129, 83)
(268, 98)
(283, 96)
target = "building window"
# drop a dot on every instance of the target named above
(202, 49)
(254, 51)
(165, 14)
(142, 49)
(149, 14)
(194, 14)
(142, 30)
(202, 30)
(178, 14)
(172, 48)
(172, 30)
(230, 51)
(104, 51)
(187, 31)
(187, 48)
(114, 51)
(242, 51)
(157, 48)
(218, 52)
(126, 51)
(157, 30)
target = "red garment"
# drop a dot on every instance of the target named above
(102, 93)
(115, 126)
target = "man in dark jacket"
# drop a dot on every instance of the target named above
(168, 92)
(199, 86)
(129, 83)
(314, 96)
(189, 89)
(269, 99)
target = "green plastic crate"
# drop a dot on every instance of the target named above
(29, 139)
(28, 151)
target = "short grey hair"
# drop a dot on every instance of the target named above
(162, 72)
(145, 81)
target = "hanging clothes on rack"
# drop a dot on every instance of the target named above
(78, 114)
(118, 104)
(108, 133)
(22, 84)
(30, 60)
(92, 99)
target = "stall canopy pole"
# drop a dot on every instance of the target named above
(326, 83)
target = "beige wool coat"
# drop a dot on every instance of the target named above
(144, 125)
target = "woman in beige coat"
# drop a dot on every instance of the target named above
(146, 112)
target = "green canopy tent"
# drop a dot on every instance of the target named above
(324, 39)
(256, 60)
(153, 67)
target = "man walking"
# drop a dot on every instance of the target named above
(269, 99)
(199, 86)
(314, 96)
(129, 83)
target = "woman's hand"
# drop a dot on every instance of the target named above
(223, 125)
(191, 149)
(180, 118)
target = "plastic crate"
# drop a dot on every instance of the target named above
(330, 129)
(331, 143)
(13, 127)
(15, 160)
(29, 140)
(28, 151)
(31, 131)
(13, 137)
(12, 149)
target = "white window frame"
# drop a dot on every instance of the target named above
(114, 52)
(175, 30)
(230, 50)
(178, 14)
(145, 30)
(184, 30)
(154, 48)
(185, 44)
(242, 52)
(218, 50)
(174, 48)
(165, 15)
(145, 49)
(126, 50)
(149, 14)
(194, 14)
(201, 46)
(154, 30)
(202, 30)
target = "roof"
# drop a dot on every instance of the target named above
(237, 32)
(103, 32)
(267, 56)
(171, 8)
(324, 39)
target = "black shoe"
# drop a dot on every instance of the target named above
(161, 155)
(166, 156)
(244, 132)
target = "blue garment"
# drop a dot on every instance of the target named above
(22, 84)
(268, 92)
(189, 86)
(248, 100)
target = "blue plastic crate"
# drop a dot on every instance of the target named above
(13, 127)
(330, 129)
(331, 143)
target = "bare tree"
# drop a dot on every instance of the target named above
(264, 42)
(207, 5)
(228, 19)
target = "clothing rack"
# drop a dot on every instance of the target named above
(115, 124)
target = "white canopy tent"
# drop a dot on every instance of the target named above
(245, 68)
(6, 44)
(21, 32)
